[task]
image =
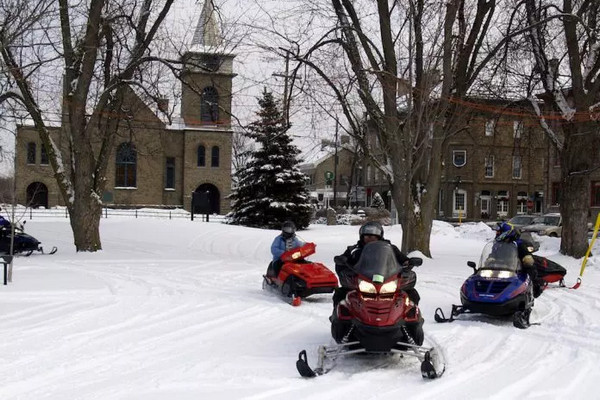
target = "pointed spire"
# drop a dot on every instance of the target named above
(207, 33)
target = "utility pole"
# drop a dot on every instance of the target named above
(335, 164)
(286, 77)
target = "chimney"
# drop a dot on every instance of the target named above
(163, 105)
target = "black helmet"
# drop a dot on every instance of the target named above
(288, 229)
(371, 228)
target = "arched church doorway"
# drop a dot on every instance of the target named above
(206, 199)
(37, 195)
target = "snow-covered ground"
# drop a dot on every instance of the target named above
(173, 309)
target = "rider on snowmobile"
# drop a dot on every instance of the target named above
(287, 240)
(506, 232)
(369, 232)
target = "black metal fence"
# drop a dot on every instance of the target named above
(22, 213)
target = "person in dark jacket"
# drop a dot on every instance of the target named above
(283, 242)
(369, 232)
(5, 225)
(506, 232)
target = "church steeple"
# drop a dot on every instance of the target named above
(207, 34)
(208, 73)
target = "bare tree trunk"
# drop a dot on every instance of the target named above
(85, 221)
(577, 162)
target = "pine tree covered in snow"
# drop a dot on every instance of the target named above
(377, 201)
(271, 189)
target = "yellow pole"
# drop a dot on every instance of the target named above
(587, 253)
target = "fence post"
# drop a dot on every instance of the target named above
(66, 212)
(136, 212)
(169, 214)
(6, 260)
(31, 213)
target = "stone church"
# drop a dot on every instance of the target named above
(185, 163)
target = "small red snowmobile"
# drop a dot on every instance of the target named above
(299, 278)
(376, 317)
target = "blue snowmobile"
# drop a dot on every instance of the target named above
(500, 287)
(23, 243)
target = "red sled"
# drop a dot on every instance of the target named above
(549, 271)
(299, 278)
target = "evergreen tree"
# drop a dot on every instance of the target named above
(377, 201)
(270, 187)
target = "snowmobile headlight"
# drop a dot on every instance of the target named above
(366, 287)
(486, 273)
(296, 255)
(389, 287)
(505, 274)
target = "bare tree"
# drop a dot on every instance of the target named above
(405, 65)
(564, 42)
(100, 49)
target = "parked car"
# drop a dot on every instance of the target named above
(519, 221)
(545, 225)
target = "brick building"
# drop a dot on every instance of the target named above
(154, 163)
(495, 168)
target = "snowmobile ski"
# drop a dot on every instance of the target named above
(432, 363)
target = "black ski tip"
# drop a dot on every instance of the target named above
(439, 316)
(302, 366)
(427, 369)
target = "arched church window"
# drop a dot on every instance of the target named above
(126, 165)
(209, 107)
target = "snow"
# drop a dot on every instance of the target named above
(173, 309)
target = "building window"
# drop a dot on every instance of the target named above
(126, 165)
(459, 204)
(214, 156)
(209, 106)
(368, 174)
(170, 173)
(555, 192)
(595, 194)
(503, 208)
(43, 156)
(201, 156)
(522, 203)
(459, 158)
(490, 127)
(517, 129)
(31, 153)
(489, 167)
(485, 199)
(516, 174)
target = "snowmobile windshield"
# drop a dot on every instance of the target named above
(500, 256)
(377, 262)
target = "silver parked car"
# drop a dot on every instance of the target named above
(519, 221)
(545, 225)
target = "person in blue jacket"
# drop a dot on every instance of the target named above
(506, 232)
(283, 242)
(4, 223)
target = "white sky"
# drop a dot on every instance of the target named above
(244, 23)
(173, 309)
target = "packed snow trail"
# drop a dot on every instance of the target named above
(175, 309)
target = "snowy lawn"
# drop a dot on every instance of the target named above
(173, 309)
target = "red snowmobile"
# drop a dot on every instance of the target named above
(300, 278)
(377, 316)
